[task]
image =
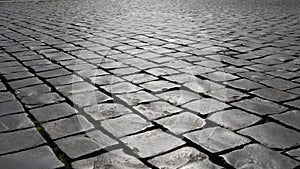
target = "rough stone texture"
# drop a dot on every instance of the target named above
(42, 99)
(19, 140)
(158, 86)
(67, 126)
(233, 119)
(282, 138)
(274, 94)
(295, 153)
(145, 144)
(155, 110)
(179, 97)
(89, 98)
(182, 122)
(205, 106)
(136, 98)
(6, 96)
(216, 139)
(107, 110)
(10, 107)
(77, 146)
(290, 118)
(14, 122)
(37, 158)
(122, 87)
(126, 124)
(116, 159)
(248, 157)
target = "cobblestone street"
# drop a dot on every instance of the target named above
(136, 84)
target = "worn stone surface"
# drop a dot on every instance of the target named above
(89, 98)
(41, 157)
(182, 122)
(42, 99)
(179, 97)
(205, 106)
(145, 144)
(19, 140)
(125, 125)
(216, 139)
(290, 118)
(10, 107)
(14, 122)
(158, 109)
(185, 157)
(248, 157)
(282, 138)
(122, 87)
(136, 98)
(116, 159)
(79, 145)
(294, 153)
(158, 86)
(67, 126)
(234, 119)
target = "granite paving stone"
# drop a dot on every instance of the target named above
(274, 94)
(33, 90)
(89, 98)
(40, 157)
(158, 86)
(203, 86)
(116, 159)
(125, 125)
(15, 122)
(186, 157)
(234, 119)
(64, 80)
(283, 137)
(182, 122)
(260, 157)
(53, 112)
(122, 87)
(79, 145)
(145, 144)
(294, 153)
(76, 88)
(154, 110)
(179, 97)
(216, 139)
(140, 78)
(205, 106)
(136, 98)
(10, 107)
(6, 96)
(106, 111)
(19, 140)
(290, 118)
(67, 126)
(227, 95)
(294, 103)
(42, 99)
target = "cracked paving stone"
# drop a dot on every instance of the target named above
(280, 83)
(37, 158)
(182, 122)
(294, 153)
(154, 110)
(290, 118)
(244, 84)
(67, 126)
(106, 80)
(274, 94)
(140, 78)
(281, 137)
(216, 139)
(145, 144)
(106, 111)
(161, 71)
(24, 82)
(79, 145)
(205, 106)
(14, 122)
(76, 88)
(294, 103)
(179, 97)
(122, 87)
(41, 99)
(186, 157)
(234, 119)
(136, 98)
(6, 96)
(19, 140)
(64, 80)
(32, 90)
(157, 86)
(53, 112)
(203, 86)
(10, 107)
(258, 157)
(115, 159)
(227, 95)
(89, 98)
(125, 125)
(260, 106)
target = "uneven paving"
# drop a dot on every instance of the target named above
(98, 84)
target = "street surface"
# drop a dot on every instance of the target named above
(125, 84)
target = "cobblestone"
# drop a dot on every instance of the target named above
(149, 84)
